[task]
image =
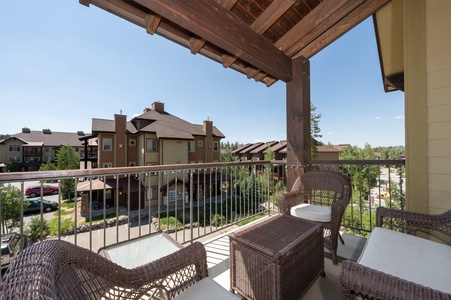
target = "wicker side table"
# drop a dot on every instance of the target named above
(276, 259)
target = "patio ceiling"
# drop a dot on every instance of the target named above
(258, 38)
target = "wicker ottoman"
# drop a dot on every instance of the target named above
(276, 259)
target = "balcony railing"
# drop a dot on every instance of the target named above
(201, 198)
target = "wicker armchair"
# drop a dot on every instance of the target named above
(56, 269)
(359, 281)
(320, 189)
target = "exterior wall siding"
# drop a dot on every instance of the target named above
(438, 67)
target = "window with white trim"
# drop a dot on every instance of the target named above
(151, 145)
(191, 147)
(199, 144)
(107, 144)
(14, 148)
(132, 142)
(152, 193)
(215, 146)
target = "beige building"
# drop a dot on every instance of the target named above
(32, 148)
(154, 137)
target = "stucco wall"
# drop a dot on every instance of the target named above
(174, 151)
(438, 70)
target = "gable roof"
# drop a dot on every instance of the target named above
(162, 123)
(50, 139)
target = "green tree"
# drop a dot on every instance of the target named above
(67, 159)
(12, 166)
(48, 166)
(315, 130)
(10, 208)
(226, 155)
(363, 176)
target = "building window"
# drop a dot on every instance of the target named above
(199, 144)
(215, 146)
(132, 142)
(107, 165)
(107, 144)
(16, 158)
(14, 148)
(191, 146)
(152, 193)
(151, 145)
(131, 164)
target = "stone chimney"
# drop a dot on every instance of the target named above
(158, 106)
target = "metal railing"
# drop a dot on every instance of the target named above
(191, 200)
(198, 198)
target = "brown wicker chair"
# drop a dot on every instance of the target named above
(320, 189)
(56, 269)
(361, 282)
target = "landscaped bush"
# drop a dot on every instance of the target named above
(34, 229)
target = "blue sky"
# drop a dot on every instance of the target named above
(62, 64)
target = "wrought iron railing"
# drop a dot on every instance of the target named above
(190, 200)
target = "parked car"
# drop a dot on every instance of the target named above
(33, 205)
(47, 189)
(10, 248)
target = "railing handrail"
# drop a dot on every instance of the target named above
(58, 174)
(360, 161)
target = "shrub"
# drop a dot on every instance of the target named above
(34, 229)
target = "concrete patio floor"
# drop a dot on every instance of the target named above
(323, 288)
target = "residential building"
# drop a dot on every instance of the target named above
(32, 148)
(154, 137)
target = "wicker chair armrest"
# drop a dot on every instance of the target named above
(286, 201)
(56, 269)
(369, 283)
(411, 222)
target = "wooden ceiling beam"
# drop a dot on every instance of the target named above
(274, 11)
(355, 17)
(212, 22)
(195, 44)
(228, 4)
(313, 20)
(152, 23)
(326, 23)
(85, 2)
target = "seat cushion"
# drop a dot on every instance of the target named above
(311, 212)
(409, 257)
(207, 289)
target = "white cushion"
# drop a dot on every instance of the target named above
(409, 257)
(311, 212)
(207, 289)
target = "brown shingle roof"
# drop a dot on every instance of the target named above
(102, 125)
(53, 139)
(163, 124)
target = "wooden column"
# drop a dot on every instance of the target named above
(298, 120)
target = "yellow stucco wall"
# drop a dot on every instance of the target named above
(438, 72)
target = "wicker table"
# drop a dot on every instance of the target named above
(278, 258)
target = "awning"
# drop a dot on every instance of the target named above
(97, 185)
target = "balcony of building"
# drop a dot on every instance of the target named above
(208, 201)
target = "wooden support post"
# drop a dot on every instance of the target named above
(298, 120)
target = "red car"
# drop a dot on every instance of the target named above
(35, 190)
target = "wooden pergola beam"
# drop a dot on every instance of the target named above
(363, 11)
(212, 22)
